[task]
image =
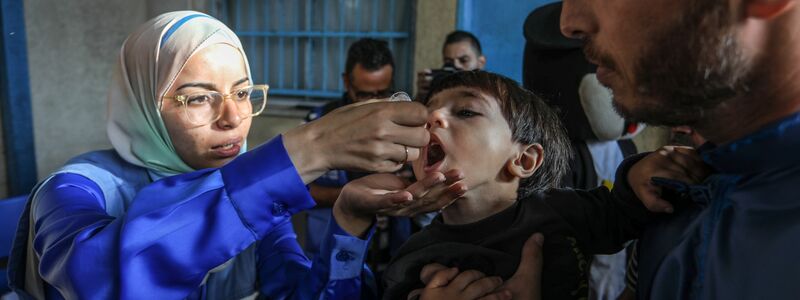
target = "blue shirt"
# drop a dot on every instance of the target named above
(738, 235)
(213, 233)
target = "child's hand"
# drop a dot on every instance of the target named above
(387, 194)
(672, 162)
(432, 193)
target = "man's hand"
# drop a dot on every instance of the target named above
(527, 281)
(672, 162)
(448, 283)
(525, 284)
(373, 137)
(388, 194)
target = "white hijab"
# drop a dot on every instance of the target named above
(149, 61)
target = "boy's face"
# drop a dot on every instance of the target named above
(469, 133)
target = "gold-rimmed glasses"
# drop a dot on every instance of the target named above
(203, 108)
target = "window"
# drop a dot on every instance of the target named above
(299, 47)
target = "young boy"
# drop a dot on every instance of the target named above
(512, 151)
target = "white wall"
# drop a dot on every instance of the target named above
(72, 47)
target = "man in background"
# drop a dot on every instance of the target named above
(461, 51)
(368, 74)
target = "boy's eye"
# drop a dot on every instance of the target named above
(466, 113)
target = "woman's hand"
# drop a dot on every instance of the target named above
(373, 137)
(389, 194)
(672, 162)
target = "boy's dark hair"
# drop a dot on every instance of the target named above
(460, 36)
(531, 120)
(372, 54)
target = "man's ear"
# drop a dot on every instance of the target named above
(527, 161)
(767, 9)
(481, 62)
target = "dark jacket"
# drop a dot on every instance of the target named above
(575, 224)
(738, 235)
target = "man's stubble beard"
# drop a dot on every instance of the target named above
(683, 85)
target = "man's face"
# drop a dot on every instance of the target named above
(469, 133)
(364, 84)
(668, 62)
(463, 56)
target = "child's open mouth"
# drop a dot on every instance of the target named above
(434, 154)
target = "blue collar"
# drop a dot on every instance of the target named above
(774, 146)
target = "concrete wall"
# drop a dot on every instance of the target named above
(71, 51)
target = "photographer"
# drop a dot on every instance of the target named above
(461, 52)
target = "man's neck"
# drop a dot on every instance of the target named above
(773, 97)
(733, 121)
(775, 92)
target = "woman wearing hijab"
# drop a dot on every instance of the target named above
(178, 210)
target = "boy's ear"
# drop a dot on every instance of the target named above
(481, 61)
(527, 161)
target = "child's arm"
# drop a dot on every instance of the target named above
(604, 220)
(670, 162)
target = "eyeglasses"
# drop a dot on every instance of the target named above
(206, 107)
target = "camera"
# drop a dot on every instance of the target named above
(447, 69)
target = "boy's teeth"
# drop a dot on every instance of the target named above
(227, 146)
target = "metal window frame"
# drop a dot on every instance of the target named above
(221, 9)
(15, 100)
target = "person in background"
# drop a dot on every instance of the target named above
(368, 74)
(461, 52)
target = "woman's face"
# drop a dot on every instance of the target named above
(219, 68)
